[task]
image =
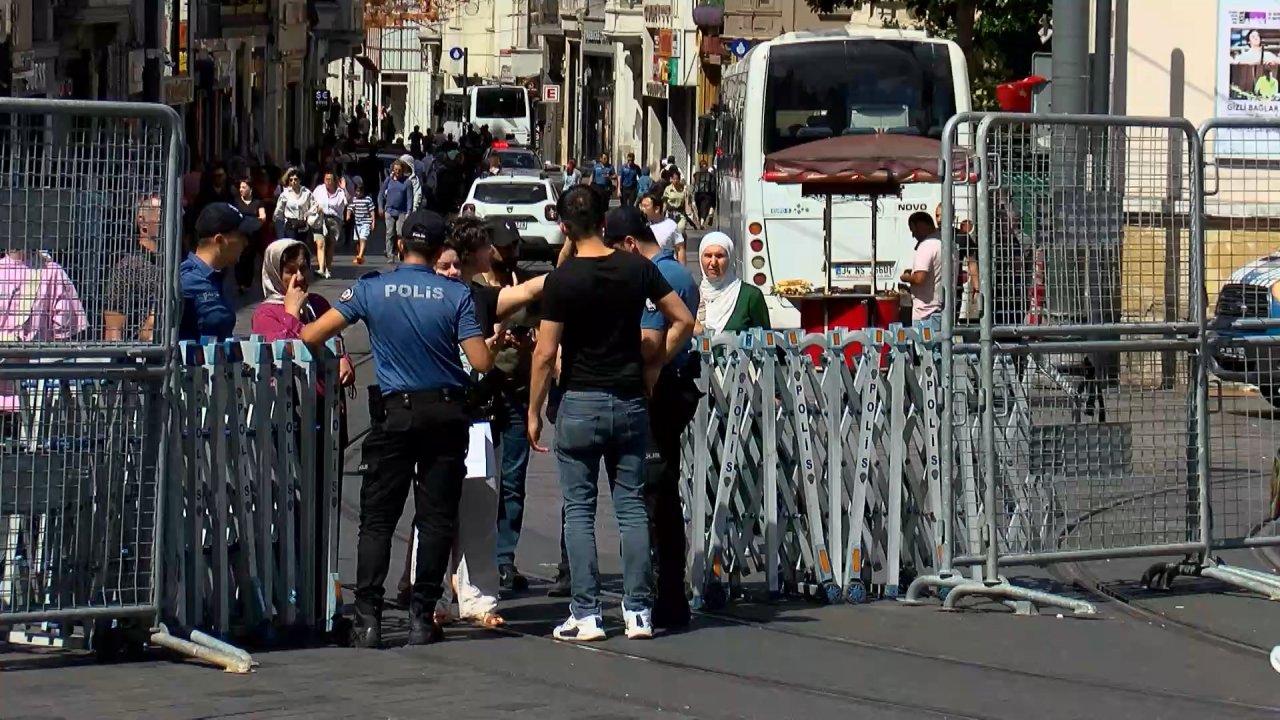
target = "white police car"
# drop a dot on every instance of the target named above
(1251, 294)
(529, 202)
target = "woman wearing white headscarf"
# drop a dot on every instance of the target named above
(728, 304)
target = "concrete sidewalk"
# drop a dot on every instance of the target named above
(787, 660)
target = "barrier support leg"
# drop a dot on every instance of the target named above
(942, 583)
(1004, 590)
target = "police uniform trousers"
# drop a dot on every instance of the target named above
(674, 402)
(420, 442)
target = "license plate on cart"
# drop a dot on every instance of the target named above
(861, 271)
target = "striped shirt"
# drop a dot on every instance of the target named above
(362, 210)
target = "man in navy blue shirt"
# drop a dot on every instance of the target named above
(671, 408)
(417, 321)
(629, 180)
(602, 178)
(222, 232)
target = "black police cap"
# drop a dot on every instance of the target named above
(424, 232)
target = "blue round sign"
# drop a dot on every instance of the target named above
(455, 53)
(739, 47)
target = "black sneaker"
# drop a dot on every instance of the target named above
(511, 579)
(423, 629)
(560, 587)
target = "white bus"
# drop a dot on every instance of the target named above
(804, 86)
(504, 108)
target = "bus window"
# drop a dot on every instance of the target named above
(887, 86)
(501, 102)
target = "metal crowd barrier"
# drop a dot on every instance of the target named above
(82, 406)
(1115, 287)
(253, 502)
(763, 493)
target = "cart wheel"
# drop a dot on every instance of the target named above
(856, 593)
(714, 597)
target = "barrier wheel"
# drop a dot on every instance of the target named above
(714, 597)
(891, 592)
(856, 593)
(828, 593)
(943, 592)
(108, 641)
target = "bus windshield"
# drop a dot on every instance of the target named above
(500, 102)
(898, 86)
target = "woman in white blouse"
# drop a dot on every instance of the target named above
(295, 209)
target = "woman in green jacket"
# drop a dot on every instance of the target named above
(728, 304)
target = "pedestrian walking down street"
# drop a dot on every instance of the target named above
(603, 178)
(420, 421)
(592, 305)
(296, 214)
(332, 202)
(572, 176)
(395, 202)
(671, 407)
(362, 209)
(222, 233)
(628, 181)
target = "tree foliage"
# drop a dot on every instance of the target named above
(998, 37)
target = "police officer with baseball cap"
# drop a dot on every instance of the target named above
(417, 320)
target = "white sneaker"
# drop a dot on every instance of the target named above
(639, 624)
(580, 630)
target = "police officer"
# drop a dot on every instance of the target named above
(417, 320)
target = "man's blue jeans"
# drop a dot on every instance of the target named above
(515, 464)
(592, 426)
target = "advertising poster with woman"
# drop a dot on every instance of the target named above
(1248, 67)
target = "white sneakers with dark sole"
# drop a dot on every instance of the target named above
(584, 629)
(639, 624)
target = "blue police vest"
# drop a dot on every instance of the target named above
(416, 320)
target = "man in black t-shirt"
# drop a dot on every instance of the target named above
(591, 309)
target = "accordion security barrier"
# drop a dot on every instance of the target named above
(820, 475)
(255, 493)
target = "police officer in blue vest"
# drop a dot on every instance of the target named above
(417, 321)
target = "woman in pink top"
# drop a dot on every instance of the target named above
(38, 303)
(288, 306)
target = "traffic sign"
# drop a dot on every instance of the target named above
(550, 93)
(739, 47)
(455, 53)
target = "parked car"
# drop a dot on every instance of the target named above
(529, 202)
(1251, 293)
